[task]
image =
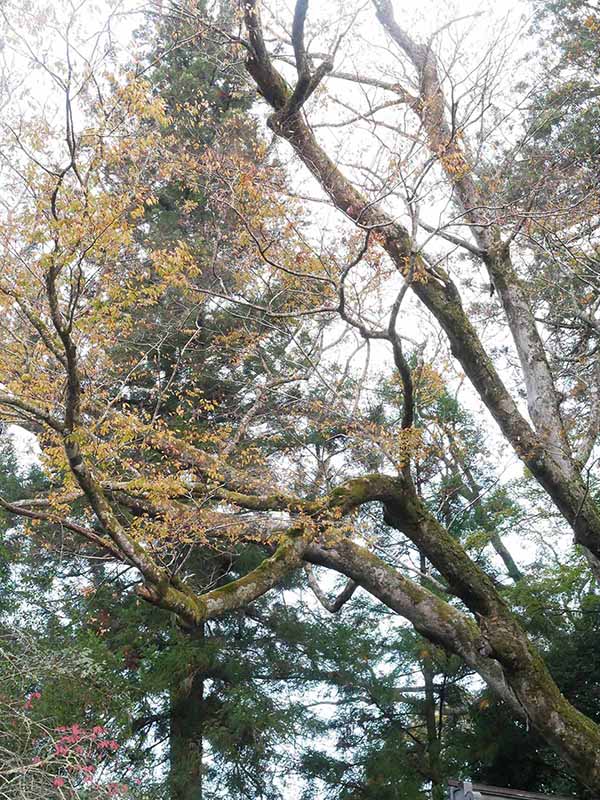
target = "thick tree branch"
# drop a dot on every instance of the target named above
(194, 609)
(446, 145)
(437, 621)
(545, 456)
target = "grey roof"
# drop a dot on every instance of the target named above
(470, 791)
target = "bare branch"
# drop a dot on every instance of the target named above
(333, 606)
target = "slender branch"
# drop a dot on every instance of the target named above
(333, 606)
(40, 414)
(22, 511)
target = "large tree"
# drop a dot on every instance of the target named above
(339, 467)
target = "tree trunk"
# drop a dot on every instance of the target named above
(185, 737)
(433, 735)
